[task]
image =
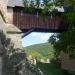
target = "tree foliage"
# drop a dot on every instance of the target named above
(69, 18)
(46, 5)
(49, 4)
(64, 42)
(69, 4)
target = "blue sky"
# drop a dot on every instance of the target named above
(35, 38)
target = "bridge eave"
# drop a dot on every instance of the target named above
(43, 30)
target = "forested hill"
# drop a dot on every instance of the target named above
(44, 50)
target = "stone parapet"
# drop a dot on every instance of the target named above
(14, 34)
(66, 62)
(3, 8)
(12, 31)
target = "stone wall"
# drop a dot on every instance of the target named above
(2, 24)
(2, 29)
(0, 65)
(15, 35)
(3, 8)
(16, 39)
(10, 15)
(67, 63)
(12, 31)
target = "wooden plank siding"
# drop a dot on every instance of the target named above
(26, 21)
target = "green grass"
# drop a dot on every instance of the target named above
(50, 69)
(44, 50)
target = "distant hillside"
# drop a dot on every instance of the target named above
(44, 50)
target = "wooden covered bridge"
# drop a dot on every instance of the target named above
(32, 22)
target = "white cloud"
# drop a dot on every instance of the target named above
(42, 36)
(35, 38)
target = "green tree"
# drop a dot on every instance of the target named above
(32, 4)
(49, 4)
(53, 38)
(64, 42)
(37, 3)
(35, 54)
(25, 3)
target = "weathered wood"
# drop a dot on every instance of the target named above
(26, 21)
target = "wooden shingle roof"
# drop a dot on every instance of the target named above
(13, 3)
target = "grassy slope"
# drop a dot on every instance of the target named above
(50, 69)
(44, 49)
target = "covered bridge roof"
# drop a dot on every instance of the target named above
(13, 3)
